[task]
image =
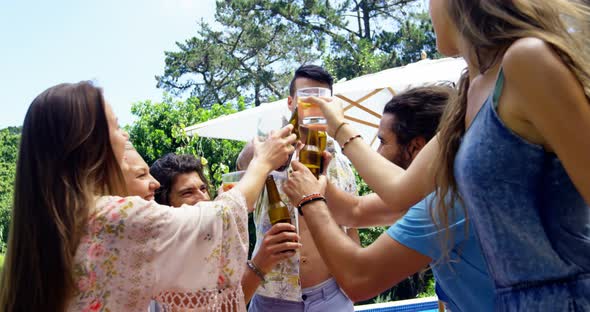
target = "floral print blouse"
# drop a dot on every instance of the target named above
(188, 259)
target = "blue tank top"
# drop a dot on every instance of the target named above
(532, 223)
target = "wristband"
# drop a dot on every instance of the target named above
(349, 140)
(305, 202)
(308, 197)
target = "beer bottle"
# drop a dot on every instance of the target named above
(323, 138)
(311, 154)
(277, 209)
(295, 122)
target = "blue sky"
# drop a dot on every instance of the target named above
(119, 44)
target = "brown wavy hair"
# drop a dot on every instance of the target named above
(171, 165)
(65, 160)
(490, 27)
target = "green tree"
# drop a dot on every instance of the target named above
(386, 48)
(9, 142)
(364, 36)
(251, 56)
(414, 35)
(255, 45)
(159, 129)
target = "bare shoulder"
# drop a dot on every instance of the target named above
(533, 60)
(537, 73)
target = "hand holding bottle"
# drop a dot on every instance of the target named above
(302, 182)
(279, 243)
(275, 150)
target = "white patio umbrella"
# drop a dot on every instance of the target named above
(364, 98)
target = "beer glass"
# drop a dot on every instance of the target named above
(310, 114)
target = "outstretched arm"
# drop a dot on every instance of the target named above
(399, 189)
(359, 211)
(361, 272)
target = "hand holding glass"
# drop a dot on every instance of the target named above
(310, 113)
(332, 111)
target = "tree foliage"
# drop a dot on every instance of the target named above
(255, 45)
(159, 129)
(9, 142)
(364, 36)
(386, 49)
(252, 56)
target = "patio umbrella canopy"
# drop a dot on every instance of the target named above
(363, 101)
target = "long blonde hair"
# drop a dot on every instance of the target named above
(65, 159)
(490, 27)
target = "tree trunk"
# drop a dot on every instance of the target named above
(358, 19)
(365, 7)
(257, 94)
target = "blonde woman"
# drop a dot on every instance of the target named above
(136, 173)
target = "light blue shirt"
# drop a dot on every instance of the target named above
(463, 282)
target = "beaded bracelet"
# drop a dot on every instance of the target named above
(308, 197)
(348, 141)
(322, 198)
(256, 270)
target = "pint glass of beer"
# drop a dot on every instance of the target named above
(229, 180)
(310, 114)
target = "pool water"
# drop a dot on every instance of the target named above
(414, 305)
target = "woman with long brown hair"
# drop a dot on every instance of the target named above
(513, 147)
(72, 247)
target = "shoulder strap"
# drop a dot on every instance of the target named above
(498, 88)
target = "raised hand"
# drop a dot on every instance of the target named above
(275, 150)
(332, 110)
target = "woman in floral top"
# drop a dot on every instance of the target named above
(75, 248)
